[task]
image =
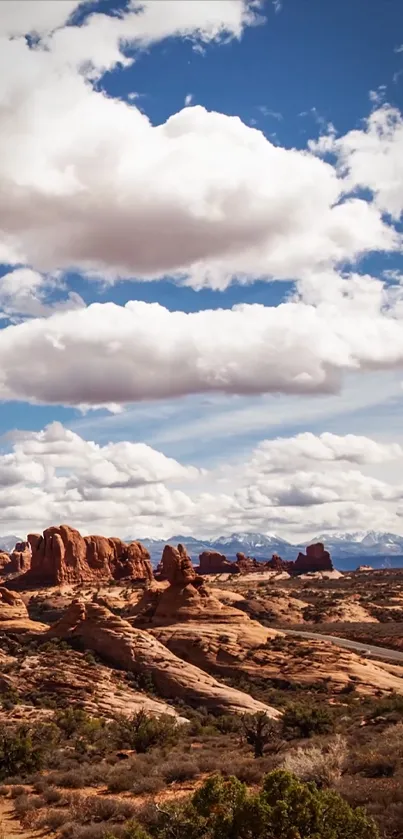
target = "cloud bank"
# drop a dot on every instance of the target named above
(297, 485)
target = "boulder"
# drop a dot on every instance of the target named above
(62, 556)
(137, 651)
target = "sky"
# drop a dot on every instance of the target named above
(201, 273)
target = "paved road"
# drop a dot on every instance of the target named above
(367, 650)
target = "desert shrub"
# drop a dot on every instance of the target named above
(321, 765)
(19, 754)
(74, 722)
(180, 770)
(284, 808)
(88, 808)
(25, 803)
(388, 705)
(306, 720)
(142, 732)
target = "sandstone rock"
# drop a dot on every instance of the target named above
(176, 566)
(185, 598)
(315, 559)
(212, 562)
(278, 564)
(139, 652)
(14, 615)
(62, 556)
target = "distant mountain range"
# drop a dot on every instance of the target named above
(8, 543)
(347, 549)
(375, 548)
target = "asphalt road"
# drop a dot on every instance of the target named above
(367, 650)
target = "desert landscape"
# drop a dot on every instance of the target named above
(128, 693)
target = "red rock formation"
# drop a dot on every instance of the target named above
(185, 598)
(248, 564)
(62, 555)
(278, 564)
(176, 566)
(212, 562)
(315, 559)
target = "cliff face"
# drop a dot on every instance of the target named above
(62, 556)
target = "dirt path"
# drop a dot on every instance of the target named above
(10, 827)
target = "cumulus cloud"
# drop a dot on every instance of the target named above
(26, 293)
(107, 353)
(88, 182)
(371, 158)
(128, 488)
(284, 454)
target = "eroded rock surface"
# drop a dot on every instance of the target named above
(62, 556)
(139, 652)
(14, 615)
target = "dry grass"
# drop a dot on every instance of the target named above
(323, 765)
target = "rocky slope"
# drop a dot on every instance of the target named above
(139, 652)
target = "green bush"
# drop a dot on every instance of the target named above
(285, 808)
(19, 754)
(305, 720)
(142, 732)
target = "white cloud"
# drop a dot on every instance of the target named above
(188, 99)
(39, 16)
(372, 158)
(25, 293)
(88, 182)
(55, 475)
(112, 354)
(284, 454)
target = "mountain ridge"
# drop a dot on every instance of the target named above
(347, 549)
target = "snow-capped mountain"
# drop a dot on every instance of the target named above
(8, 543)
(347, 549)
(362, 543)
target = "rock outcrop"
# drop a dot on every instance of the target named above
(315, 559)
(139, 652)
(176, 566)
(62, 556)
(14, 614)
(212, 562)
(185, 598)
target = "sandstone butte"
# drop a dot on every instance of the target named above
(315, 559)
(186, 598)
(63, 556)
(139, 652)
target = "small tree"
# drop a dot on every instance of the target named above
(285, 808)
(141, 732)
(259, 729)
(305, 720)
(18, 753)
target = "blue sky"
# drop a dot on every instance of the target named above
(220, 217)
